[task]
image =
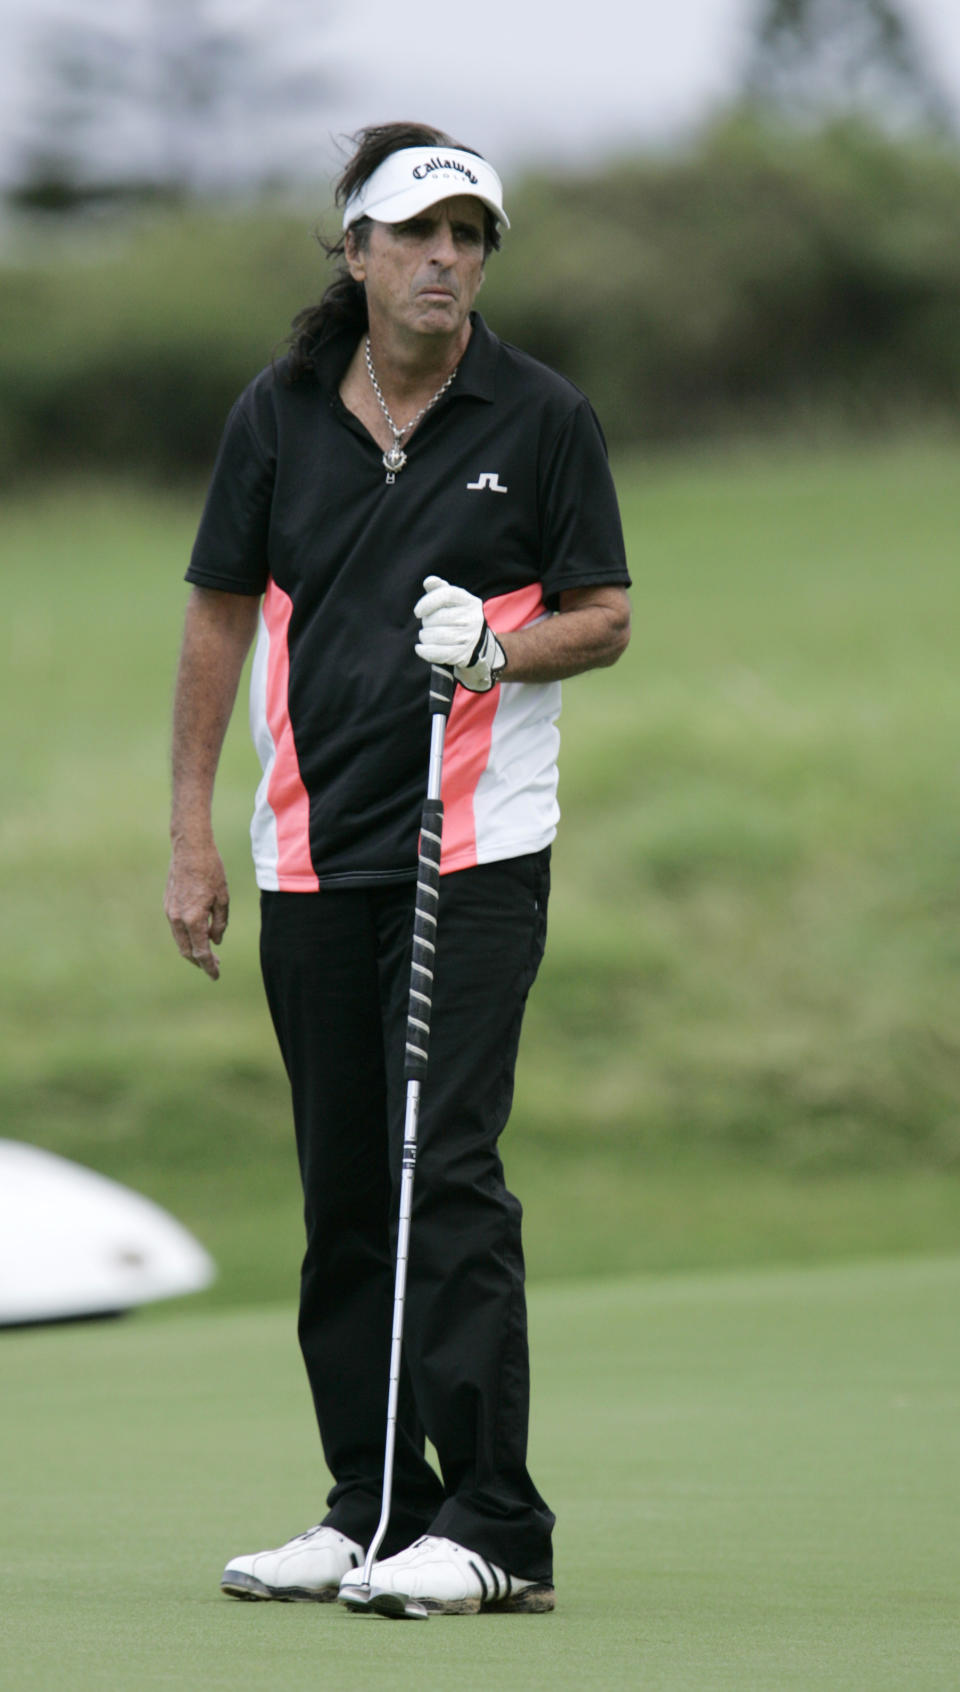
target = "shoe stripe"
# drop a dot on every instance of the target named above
(495, 1578)
(479, 1574)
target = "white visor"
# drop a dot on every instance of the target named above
(416, 177)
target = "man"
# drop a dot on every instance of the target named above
(403, 489)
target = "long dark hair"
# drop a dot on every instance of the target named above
(344, 304)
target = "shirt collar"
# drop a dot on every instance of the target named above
(477, 372)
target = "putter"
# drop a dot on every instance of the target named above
(442, 686)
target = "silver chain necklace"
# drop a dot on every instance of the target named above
(395, 458)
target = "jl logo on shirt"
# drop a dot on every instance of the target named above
(488, 479)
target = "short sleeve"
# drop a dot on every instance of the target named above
(230, 551)
(582, 536)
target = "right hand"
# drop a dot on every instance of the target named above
(197, 904)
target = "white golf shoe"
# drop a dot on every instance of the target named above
(439, 1576)
(307, 1569)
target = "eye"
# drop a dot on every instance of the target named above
(468, 233)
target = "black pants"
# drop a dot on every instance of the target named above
(336, 970)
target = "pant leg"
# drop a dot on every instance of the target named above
(319, 961)
(465, 1332)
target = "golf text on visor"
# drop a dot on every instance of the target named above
(416, 177)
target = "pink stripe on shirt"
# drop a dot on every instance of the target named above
(286, 793)
(470, 734)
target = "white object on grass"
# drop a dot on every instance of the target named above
(74, 1243)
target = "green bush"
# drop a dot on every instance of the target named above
(754, 280)
(760, 279)
(126, 349)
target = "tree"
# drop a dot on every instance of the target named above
(816, 58)
(167, 97)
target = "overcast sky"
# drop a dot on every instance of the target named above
(525, 82)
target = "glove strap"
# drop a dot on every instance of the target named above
(487, 664)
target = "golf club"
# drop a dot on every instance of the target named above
(442, 686)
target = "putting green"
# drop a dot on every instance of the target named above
(756, 1477)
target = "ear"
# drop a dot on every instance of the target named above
(354, 257)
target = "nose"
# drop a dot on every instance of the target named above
(443, 248)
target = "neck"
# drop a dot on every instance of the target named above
(405, 368)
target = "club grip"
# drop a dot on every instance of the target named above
(443, 683)
(424, 941)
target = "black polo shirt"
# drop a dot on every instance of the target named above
(506, 492)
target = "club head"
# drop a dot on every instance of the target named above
(397, 1607)
(368, 1600)
(357, 1597)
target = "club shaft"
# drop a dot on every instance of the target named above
(399, 1299)
(417, 1044)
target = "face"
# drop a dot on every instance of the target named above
(422, 276)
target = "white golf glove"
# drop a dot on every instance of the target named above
(455, 632)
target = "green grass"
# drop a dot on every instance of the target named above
(743, 1045)
(755, 1476)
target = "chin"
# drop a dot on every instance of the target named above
(440, 322)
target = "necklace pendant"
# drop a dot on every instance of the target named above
(395, 458)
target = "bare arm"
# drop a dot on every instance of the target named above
(216, 639)
(592, 630)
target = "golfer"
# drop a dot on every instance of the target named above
(400, 489)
